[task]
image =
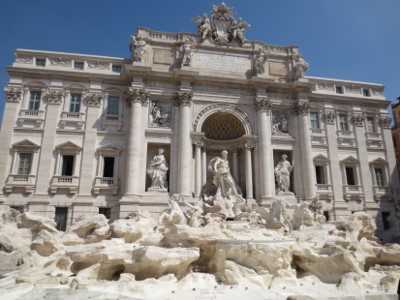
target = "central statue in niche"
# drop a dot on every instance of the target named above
(157, 171)
(222, 176)
(227, 195)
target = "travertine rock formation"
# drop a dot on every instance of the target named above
(138, 257)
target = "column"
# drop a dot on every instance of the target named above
(184, 100)
(302, 110)
(203, 166)
(249, 170)
(265, 157)
(87, 174)
(235, 166)
(54, 99)
(339, 205)
(198, 145)
(136, 98)
(365, 179)
(13, 98)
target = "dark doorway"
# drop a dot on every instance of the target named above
(61, 218)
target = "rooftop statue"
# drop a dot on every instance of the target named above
(223, 28)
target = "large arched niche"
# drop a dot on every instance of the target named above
(214, 118)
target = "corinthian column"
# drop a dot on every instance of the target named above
(249, 170)
(265, 158)
(302, 110)
(184, 100)
(136, 98)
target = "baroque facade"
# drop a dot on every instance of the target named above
(81, 133)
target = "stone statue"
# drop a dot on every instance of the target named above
(157, 171)
(278, 217)
(195, 213)
(237, 30)
(302, 215)
(187, 54)
(222, 176)
(282, 175)
(137, 48)
(173, 215)
(157, 117)
(204, 27)
(301, 66)
(259, 63)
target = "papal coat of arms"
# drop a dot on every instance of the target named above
(222, 28)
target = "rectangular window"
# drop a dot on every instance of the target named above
(61, 218)
(108, 170)
(339, 90)
(34, 101)
(326, 214)
(67, 165)
(320, 174)
(113, 106)
(106, 211)
(40, 62)
(24, 166)
(379, 178)
(344, 125)
(350, 176)
(370, 124)
(78, 65)
(75, 103)
(116, 68)
(314, 119)
(366, 93)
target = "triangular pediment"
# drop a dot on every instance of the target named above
(350, 160)
(68, 145)
(27, 144)
(378, 161)
(321, 157)
(109, 148)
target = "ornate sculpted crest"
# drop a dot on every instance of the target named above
(223, 28)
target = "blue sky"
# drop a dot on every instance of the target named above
(345, 39)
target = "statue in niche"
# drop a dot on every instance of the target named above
(157, 171)
(159, 116)
(137, 48)
(301, 66)
(282, 176)
(187, 54)
(280, 124)
(204, 27)
(222, 176)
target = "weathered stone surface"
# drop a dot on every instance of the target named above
(87, 226)
(131, 230)
(36, 223)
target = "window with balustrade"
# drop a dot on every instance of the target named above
(352, 189)
(343, 122)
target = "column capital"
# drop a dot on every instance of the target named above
(54, 96)
(248, 145)
(263, 105)
(184, 98)
(301, 108)
(385, 122)
(330, 117)
(137, 95)
(198, 143)
(93, 99)
(13, 94)
(358, 119)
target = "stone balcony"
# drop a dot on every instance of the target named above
(111, 121)
(374, 140)
(318, 136)
(353, 192)
(72, 120)
(346, 138)
(28, 118)
(324, 191)
(68, 183)
(26, 182)
(382, 193)
(107, 184)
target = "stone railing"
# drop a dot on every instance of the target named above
(317, 131)
(76, 116)
(373, 136)
(21, 180)
(31, 114)
(352, 189)
(326, 188)
(106, 184)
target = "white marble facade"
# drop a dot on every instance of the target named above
(80, 131)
